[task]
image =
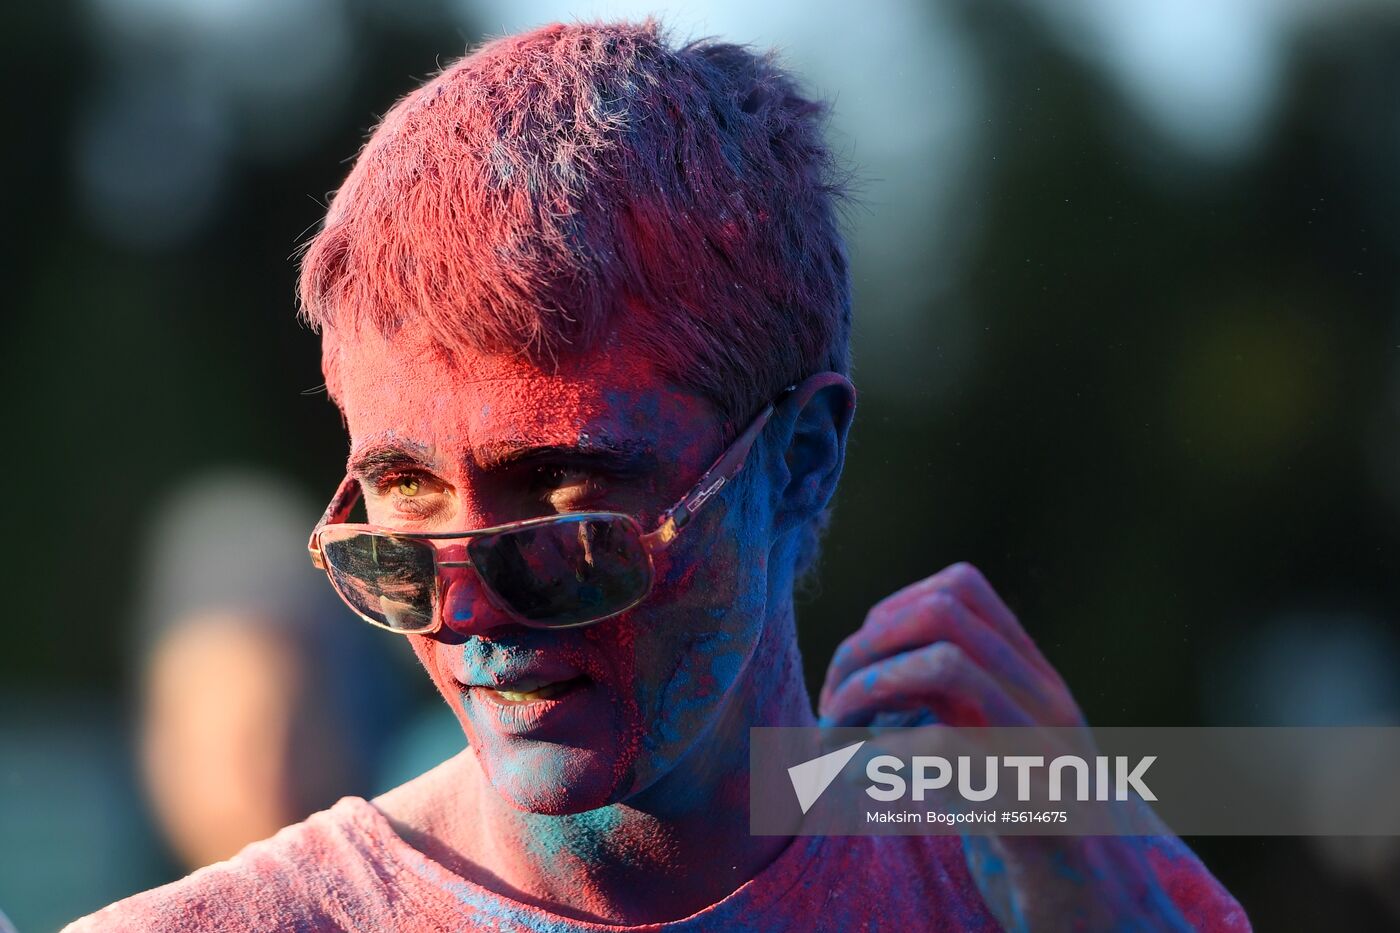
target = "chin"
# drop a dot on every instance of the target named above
(552, 779)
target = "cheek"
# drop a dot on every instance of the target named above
(707, 618)
(718, 569)
(703, 575)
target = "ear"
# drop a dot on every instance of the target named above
(812, 423)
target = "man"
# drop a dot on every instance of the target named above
(585, 309)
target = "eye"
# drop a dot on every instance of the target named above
(406, 487)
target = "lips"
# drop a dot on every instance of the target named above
(550, 711)
(527, 685)
(532, 690)
(516, 688)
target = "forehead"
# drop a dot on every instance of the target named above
(404, 389)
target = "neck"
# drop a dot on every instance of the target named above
(654, 857)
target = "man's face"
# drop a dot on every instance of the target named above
(571, 719)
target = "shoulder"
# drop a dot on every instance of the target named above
(864, 882)
(298, 876)
(935, 889)
(935, 864)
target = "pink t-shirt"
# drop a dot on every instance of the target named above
(346, 868)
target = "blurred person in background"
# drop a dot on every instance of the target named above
(525, 349)
(260, 699)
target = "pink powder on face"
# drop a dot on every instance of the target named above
(654, 667)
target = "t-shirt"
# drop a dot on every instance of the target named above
(347, 868)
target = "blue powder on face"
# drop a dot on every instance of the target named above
(724, 667)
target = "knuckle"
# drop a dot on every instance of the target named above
(876, 682)
(877, 612)
(888, 605)
(885, 613)
(966, 574)
(944, 659)
(942, 601)
(943, 612)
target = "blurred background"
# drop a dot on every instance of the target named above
(1128, 338)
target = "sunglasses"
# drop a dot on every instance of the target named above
(560, 571)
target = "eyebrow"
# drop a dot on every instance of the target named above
(623, 458)
(377, 458)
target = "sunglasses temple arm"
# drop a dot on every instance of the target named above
(720, 472)
(341, 503)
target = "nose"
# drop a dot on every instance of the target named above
(465, 607)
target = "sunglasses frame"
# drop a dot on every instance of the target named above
(723, 470)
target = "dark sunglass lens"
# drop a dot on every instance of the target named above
(391, 580)
(565, 572)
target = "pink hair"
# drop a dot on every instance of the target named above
(552, 185)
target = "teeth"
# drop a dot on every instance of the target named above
(540, 693)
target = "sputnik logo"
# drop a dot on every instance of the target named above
(811, 778)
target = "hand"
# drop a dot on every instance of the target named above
(949, 645)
